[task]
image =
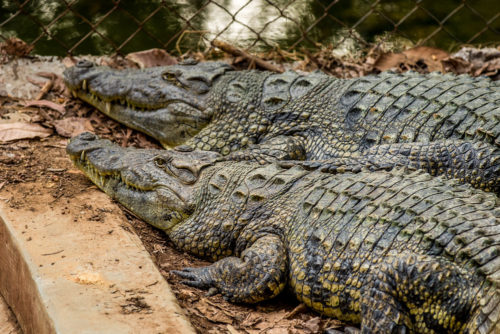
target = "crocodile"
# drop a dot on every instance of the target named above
(263, 116)
(392, 251)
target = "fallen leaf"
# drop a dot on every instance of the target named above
(477, 57)
(72, 126)
(151, 57)
(427, 57)
(22, 130)
(230, 328)
(456, 65)
(251, 319)
(14, 117)
(15, 47)
(263, 325)
(277, 330)
(46, 103)
(69, 61)
(388, 61)
(313, 324)
(421, 58)
(212, 314)
(473, 61)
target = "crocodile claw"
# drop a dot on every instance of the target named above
(196, 277)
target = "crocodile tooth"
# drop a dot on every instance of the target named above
(82, 156)
(108, 107)
(84, 85)
(74, 93)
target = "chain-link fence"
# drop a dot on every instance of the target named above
(58, 27)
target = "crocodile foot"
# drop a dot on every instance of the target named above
(195, 277)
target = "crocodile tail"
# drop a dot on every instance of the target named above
(487, 317)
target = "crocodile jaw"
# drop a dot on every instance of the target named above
(141, 100)
(171, 125)
(169, 103)
(130, 177)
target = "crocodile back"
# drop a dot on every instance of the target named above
(410, 107)
(425, 231)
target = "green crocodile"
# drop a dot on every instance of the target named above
(391, 251)
(262, 116)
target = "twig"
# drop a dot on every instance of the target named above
(45, 89)
(126, 137)
(185, 32)
(154, 283)
(316, 62)
(56, 170)
(297, 310)
(54, 253)
(238, 52)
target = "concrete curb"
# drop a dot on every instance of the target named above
(65, 275)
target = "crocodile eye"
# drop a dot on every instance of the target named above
(160, 161)
(168, 76)
(172, 78)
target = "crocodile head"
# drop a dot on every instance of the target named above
(157, 185)
(169, 103)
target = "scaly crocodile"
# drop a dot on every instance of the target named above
(262, 116)
(393, 252)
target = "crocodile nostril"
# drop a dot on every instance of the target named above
(88, 136)
(84, 64)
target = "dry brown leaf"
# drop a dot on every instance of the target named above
(15, 47)
(72, 126)
(477, 57)
(152, 57)
(277, 330)
(14, 117)
(22, 130)
(263, 325)
(429, 56)
(251, 319)
(212, 314)
(313, 324)
(492, 69)
(46, 103)
(69, 61)
(475, 62)
(423, 58)
(456, 65)
(230, 328)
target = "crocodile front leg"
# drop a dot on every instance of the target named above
(259, 274)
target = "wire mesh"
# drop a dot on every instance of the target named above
(58, 27)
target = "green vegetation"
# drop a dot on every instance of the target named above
(102, 27)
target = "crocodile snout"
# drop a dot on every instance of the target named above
(84, 64)
(85, 142)
(76, 76)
